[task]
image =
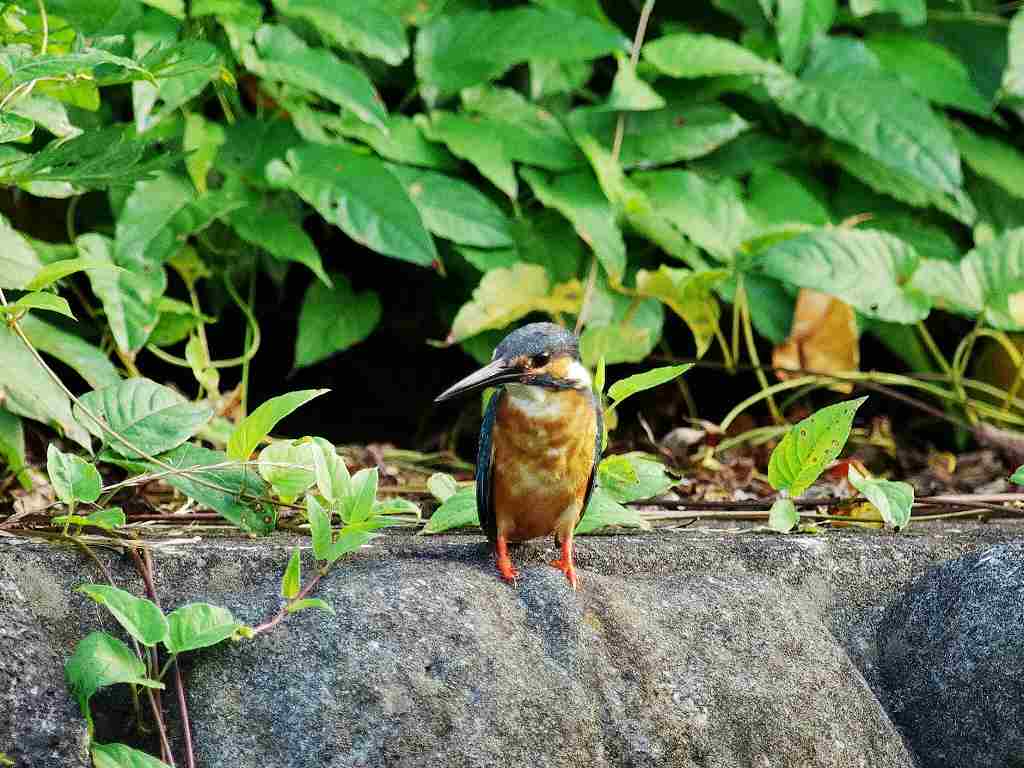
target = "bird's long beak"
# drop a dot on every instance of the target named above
(492, 374)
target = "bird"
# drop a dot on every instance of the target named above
(540, 442)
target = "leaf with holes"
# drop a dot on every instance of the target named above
(810, 446)
(893, 500)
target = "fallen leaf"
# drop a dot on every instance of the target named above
(823, 338)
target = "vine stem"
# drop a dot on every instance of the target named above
(283, 613)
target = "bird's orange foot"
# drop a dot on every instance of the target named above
(508, 571)
(567, 567)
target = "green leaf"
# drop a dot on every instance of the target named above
(810, 446)
(640, 382)
(358, 506)
(651, 479)
(100, 660)
(332, 477)
(454, 209)
(930, 70)
(1013, 76)
(152, 417)
(799, 22)
(30, 392)
(893, 500)
(457, 50)
(73, 478)
(285, 57)
(506, 295)
(369, 27)
(250, 144)
(122, 756)
(604, 511)
(202, 138)
(457, 511)
(480, 145)
(277, 234)
(403, 142)
(1018, 476)
(912, 12)
(289, 482)
(396, 506)
(442, 486)
(41, 300)
(12, 447)
(105, 519)
(619, 330)
(309, 602)
(689, 295)
(712, 215)
(689, 55)
(617, 469)
(251, 430)
(333, 319)
(80, 63)
(579, 198)
(212, 480)
(292, 580)
(992, 158)
(319, 528)
(866, 269)
(844, 93)
(629, 93)
(15, 127)
(358, 194)
(198, 625)
(58, 270)
(18, 260)
(783, 516)
(47, 113)
(680, 131)
(140, 617)
(777, 198)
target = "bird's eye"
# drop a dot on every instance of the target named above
(541, 360)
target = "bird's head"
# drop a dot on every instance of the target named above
(539, 354)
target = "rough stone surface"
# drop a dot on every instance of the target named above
(701, 648)
(40, 726)
(949, 662)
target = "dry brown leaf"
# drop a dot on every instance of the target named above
(823, 338)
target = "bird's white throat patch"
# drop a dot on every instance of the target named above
(542, 402)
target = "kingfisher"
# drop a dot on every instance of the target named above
(540, 442)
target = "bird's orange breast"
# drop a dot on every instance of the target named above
(544, 443)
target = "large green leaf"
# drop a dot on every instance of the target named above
(275, 232)
(457, 511)
(454, 209)
(333, 319)
(685, 54)
(798, 23)
(78, 64)
(868, 270)
(140, 617)
(284, 56)
(844, 92)
(810, 446)
(29, 391)
(989, 280)
(332, 476)
(198, 625)
(580, 199)
(15, 127)
(213, 480)
(930, 70)
(358, 194)
(18, 260)
(122, 756)
(73, 478)
(100, 660)
(12, 447)
(629, 92)
(604, 511)
(680, 131)
(454, 51)
(289, 467)
(776, 198)
(893, 500)
(648, 478)
(1013, 76)
(712, 215)
(912, 12)
(251, 430)
(152, 417)
(41, 300)
(403, 142)
(368, 27)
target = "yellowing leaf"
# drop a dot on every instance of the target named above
(689, 295)
(505, 295)
(823, 337)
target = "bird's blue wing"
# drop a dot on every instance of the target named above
(599, 417)
(485, 469)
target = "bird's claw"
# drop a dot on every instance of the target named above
(569, 570)
(509, 573)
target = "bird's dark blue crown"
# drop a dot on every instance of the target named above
(536, 338)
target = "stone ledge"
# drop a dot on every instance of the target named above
(688, 648)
